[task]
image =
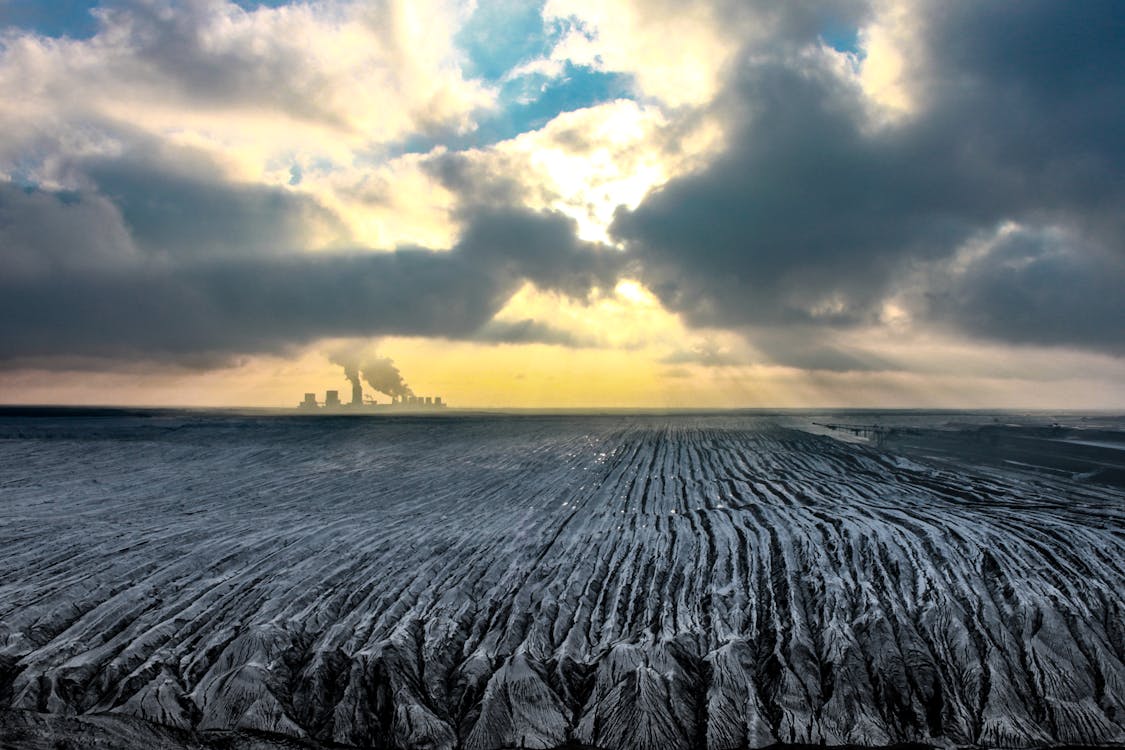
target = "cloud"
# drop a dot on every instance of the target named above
(1036, 287)
(191, 308)
(175, 201)
(584, 163)
(39, 232)
(323, 89)
(818, 212)
(679, 54)
(177, 111)
(801, 220)
(197, 181)
(707, 353)
(151, 200)
(528, 331)
(133, 231)
(376, 71)
(816, 349)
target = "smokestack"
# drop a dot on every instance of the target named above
(382, 375)
(379, 372)
(351, 372)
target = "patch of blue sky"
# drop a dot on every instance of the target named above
(299, 169)
(26, 169)
(841, 37)
(502, 34)
(255, 4)
(528, 103)
(74, 18)
(537, 99)
(499, 39)
(55, 18)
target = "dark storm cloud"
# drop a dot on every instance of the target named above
(793, 23)
(540, 247)
(812, 216)
(801, 220)
(41, 232)
(190, 308)
(152, 199)
(473, 183)
(173, 207)
(244, 305)
(555, 261)
(806, 348)
(1039, 288)
(814, 348)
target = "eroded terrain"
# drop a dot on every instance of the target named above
(619, 582)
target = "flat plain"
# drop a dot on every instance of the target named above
(170, 579)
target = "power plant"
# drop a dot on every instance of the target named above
(405, 402)
(383, 377)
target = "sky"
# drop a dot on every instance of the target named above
(567, 203)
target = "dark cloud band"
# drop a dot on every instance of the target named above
(138, 305)
(814, 215)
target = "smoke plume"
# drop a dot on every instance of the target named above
(351, 372)
(379, 372)
(382, 375)
(349, 361)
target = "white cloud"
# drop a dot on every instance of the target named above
(887, 43)
(589, 162)
(367, 73)
(675, 51)
(322, 88)
(318, 85)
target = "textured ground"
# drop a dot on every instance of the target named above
(622, 582)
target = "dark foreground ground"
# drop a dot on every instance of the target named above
(175, 580)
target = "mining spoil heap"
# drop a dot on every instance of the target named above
(618, 582)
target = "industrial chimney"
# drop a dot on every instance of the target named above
(357, 393)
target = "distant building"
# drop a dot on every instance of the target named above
(332, 401)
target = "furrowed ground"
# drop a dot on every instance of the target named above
(486, 582)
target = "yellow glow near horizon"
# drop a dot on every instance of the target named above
(476, 375)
